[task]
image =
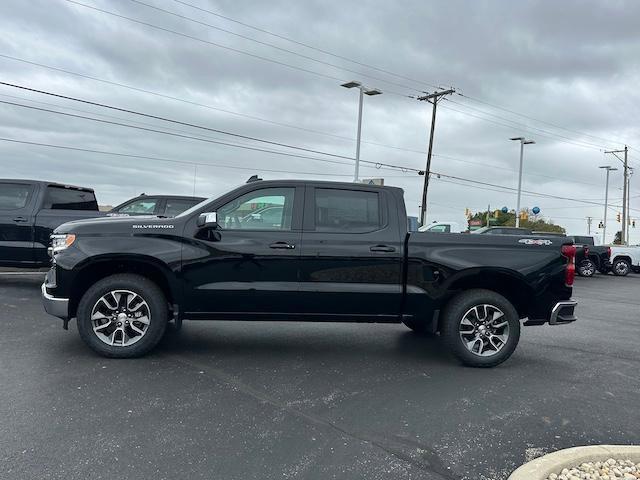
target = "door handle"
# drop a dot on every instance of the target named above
(382, 248)
(282, 245)
(19, 219)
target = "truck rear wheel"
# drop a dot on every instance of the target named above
(587, 268)
(122, 316)
(481, 328)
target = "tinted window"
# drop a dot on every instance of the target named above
(584, 240)
(440, 229)
(347, 211)
(177, 206)
(142, 206)
(264, 209)
(60, 198)
(14, 195)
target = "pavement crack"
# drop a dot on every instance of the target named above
(424, 458)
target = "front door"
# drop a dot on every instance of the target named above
(16, 223)
(248, 265)
(351, 264)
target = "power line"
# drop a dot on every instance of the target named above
(260, 42)
(522, 125)
(218, 45)
(536, 119)
(306, 45)
(169, 160)
(511, 127)
(378, 165)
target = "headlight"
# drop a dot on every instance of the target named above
(62, 242)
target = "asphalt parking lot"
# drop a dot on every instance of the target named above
(225, 400)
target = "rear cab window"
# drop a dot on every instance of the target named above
(62, 198)
(347, 211)
(14, 196)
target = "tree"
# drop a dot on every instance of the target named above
(498, 218)
(617, 240)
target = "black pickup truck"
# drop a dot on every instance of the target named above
(334, 252)
(30, 210)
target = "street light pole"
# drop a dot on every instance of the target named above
(363, 91)
(523, 142)
(608, 168)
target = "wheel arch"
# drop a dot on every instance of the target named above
(99, 268)
(507, 283)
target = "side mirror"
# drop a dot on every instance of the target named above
(208, 220)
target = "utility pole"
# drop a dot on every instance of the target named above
(589, 220)
(432, 98)
(609, 169)
(629, 203)
(523, 141)
(625, 176)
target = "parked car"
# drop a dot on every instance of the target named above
(502, 231)
(30, 210)
(162, 205)
(337, 252)
(625, 260)
(442, 227)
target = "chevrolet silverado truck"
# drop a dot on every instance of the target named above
(332, 252)
(30, 210)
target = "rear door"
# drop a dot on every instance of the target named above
(351, 264)
(16, 222)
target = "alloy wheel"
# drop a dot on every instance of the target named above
(120, 318)
(484, 330)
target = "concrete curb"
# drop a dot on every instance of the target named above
(541, 468)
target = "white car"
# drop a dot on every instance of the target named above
(624, 260)
(442, 227)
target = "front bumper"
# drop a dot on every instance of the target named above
(58, 307)
(561, 313)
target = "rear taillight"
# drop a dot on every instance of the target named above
(586, 251)
(608, 252)
(569, 251)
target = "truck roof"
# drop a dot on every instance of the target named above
(326, 183)
(45, 183)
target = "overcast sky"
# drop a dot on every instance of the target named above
(568, 70)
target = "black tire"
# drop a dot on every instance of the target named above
(454, 314)
(587, 268)
(419, 328)
(621, 267)
(145, 289)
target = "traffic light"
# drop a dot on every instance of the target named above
(618, 217)
(633, 223)
(601, 225)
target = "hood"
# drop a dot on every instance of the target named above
(118, 225)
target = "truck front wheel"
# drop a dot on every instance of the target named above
(621, 267)
(122, 316)
(481, 328)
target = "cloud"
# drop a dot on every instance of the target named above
(571, 64)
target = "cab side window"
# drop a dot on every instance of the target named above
(263, 209)
(343, 211)
(144, 206)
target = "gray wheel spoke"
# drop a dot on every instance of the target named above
(101, 327)
(136, 329)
